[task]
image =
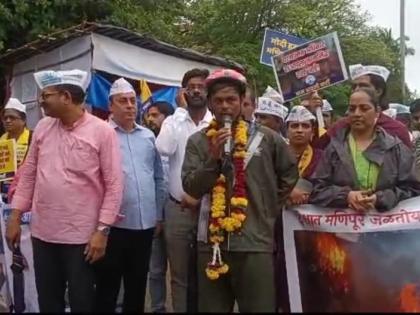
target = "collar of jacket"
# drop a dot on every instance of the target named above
(375, 152)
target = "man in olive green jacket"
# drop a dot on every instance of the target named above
(270, 176)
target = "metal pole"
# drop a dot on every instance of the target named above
(402, 48)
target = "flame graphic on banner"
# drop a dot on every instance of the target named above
(333, 260)
(410, 300)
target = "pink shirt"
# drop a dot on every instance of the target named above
(73, 179)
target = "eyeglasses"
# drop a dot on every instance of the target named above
(44, 96)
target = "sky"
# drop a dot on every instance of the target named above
(386, 13)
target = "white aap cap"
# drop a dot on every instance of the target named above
(300, 114)
(390, 112)
(400, 108)
(270, 107)
(360, 70)
(326, 106)
(50, 78)
(273, 94)
(15, 104)
(121, 86)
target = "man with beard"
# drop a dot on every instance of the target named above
(243, 188)
(181, 209)
(72, 182)
(155, 115)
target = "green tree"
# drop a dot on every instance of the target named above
(229, 28)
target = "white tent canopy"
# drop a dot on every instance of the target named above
(105, 48)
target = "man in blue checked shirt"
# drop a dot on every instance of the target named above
(130, 238)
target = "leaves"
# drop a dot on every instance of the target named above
(230, 28)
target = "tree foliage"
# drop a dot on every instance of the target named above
(230, 28)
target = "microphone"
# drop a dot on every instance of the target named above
(227, 123)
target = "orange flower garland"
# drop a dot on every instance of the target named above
(220, 221)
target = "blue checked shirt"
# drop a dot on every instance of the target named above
(144, 184)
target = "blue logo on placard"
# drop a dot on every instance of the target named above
(310, 79)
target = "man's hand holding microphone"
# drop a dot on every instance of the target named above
(220, 144)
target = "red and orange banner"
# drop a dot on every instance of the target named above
(342, 261)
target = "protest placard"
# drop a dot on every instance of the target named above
(275, 42)
(8, 162)
(312, 66)
(346, 261)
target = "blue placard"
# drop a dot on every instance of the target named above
(276, 42)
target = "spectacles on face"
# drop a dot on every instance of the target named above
(44, 96)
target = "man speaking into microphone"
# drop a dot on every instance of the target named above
(240, 202)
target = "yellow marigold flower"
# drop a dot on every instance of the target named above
(239, 202)
(219, 198)
(239, 154)
(223, 269)
(229, 227)
(211, 133)
(240, 136)
(239, 216)
(213, 123)
(217, 239)
(217, 214)
(214, 228)
(212, 274)
(219, 190)
(236, 224)
(228, 224)
(218, 206)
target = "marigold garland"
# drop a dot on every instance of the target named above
(220, 221)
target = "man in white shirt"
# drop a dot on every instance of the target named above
(181, 213)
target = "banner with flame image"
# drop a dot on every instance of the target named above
(343, 261)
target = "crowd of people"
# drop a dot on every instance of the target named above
(199, 188)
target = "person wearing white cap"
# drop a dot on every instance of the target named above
(300, 130)
(313, 102)
(130, 239)
(271, 114)
(327, 113)
(301, 126)
(373, 77)
(72, 182)
(14, 122)
(402, 114)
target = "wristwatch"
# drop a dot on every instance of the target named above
(104, 229)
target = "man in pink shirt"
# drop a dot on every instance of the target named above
(72, 181)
